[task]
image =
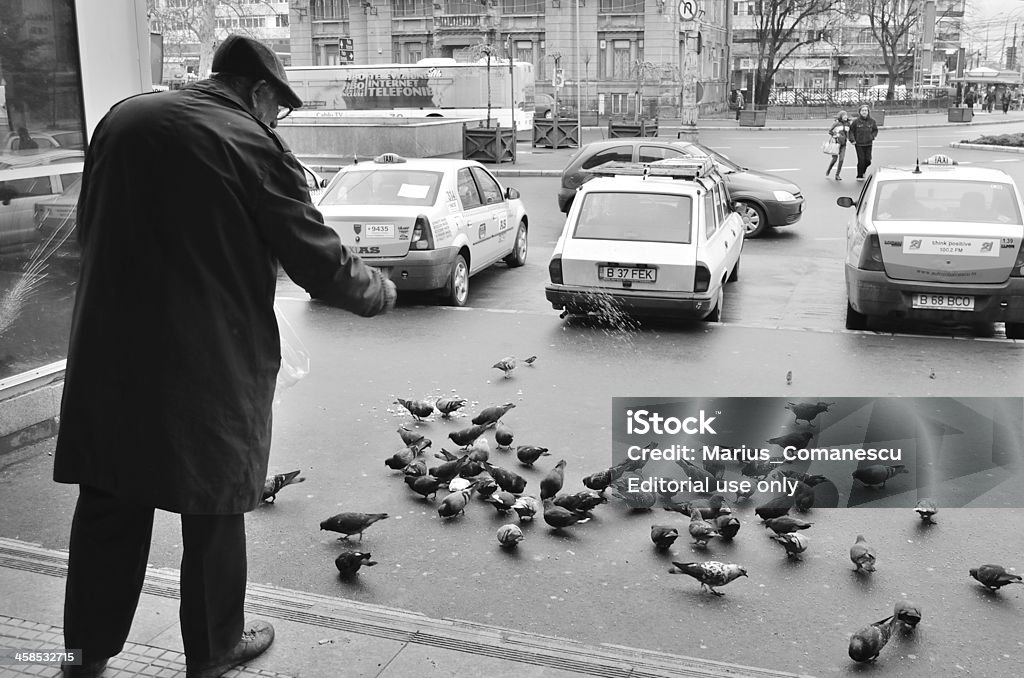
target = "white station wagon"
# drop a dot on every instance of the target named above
(938, 244)
(648, 238)
(428, 224)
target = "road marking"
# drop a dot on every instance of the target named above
(1007, 160)
(774, 147)
(784, 169)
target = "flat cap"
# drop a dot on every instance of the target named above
(240, 55)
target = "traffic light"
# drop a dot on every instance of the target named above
(346, 52)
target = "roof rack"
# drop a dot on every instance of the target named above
(675, 168)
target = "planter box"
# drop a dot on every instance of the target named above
(644, 128)
(556, 133)
(489, 144)
(753, 118)
(959, 115)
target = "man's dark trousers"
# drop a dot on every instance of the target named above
(109, 549)
(863, 159)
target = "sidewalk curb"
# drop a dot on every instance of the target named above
(412, 628)
(986, 147)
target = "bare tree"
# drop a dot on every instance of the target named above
(892, 23)
(781, 27)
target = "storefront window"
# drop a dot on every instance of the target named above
(42, 149)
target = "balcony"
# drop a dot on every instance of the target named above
(462, 22)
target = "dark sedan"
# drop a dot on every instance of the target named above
(769, 201)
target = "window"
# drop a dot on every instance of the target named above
(637, 217)
(524, 51)
(521, 7)
(621, 62)
(722, 198)
(620, 103)
(384, 187)
(328, 9)
(710, 214)
(489, 188)
(931, 200)
(468, 193)
(655, 153)
(616, 153)
(281, 21)
(621, 7)
(465, 7)
(409, 8)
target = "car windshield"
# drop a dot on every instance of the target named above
(723, 161)
(638, 217)
(384, 187)
(946, 200)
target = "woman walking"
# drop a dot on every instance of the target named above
(840, 132)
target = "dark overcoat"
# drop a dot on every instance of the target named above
(188, 205)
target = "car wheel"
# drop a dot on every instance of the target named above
(518, 255)
(735, 275)
(854, 319)
(457, 291)
(1015, 330)
(754, 219)
(716, 315)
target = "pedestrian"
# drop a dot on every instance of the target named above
(1006, 101)
(840, 133)
(969, 99)
(25, 140)
(863, 131)
(990, 98)
(739, 103)
(175, 348)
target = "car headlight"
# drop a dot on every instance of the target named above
(784, 196)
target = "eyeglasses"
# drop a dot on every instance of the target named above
(283, 112)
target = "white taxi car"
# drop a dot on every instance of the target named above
(648, 238)
(941, 243)
(428, 224)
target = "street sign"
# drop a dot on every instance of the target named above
(346, 50)
(687, 10)
(558, 78)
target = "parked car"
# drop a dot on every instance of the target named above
(314, 181)
(658, 238)
(769, 201)
(544, 107)
(428, 224)
(939, 245)
(26, 180)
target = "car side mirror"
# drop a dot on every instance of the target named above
(845, 201)
(511, 193)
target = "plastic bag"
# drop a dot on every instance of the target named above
(294, 356)
(830, 147)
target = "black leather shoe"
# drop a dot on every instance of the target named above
(84, 670)
(256, 638)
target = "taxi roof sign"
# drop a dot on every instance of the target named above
(940, 159)
(388, 159)
(675, 168)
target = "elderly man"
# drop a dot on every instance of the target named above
(189, 203)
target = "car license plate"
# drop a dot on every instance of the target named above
(380, 230)
(628, 273)
(945, 302)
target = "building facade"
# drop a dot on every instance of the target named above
(608, 50)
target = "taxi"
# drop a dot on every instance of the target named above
(660, 238)
(938, 243)
(427, 223)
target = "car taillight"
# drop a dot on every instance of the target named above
(1018, 265)
(422, 236)
(555, 270)
(701, 279)
(871, 254)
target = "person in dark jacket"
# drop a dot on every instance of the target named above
(863, 131)
(1005, 100)
(969, 98)
(739, 103)
(189, 202)
(840, 131)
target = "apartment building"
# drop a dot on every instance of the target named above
(262, 19)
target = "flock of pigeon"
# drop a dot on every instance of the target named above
(470, 471)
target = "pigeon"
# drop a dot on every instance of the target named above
(350, 523)
(696, 473)
(417, 408)
(491, 415)
(417, 467)
(878, 474)
(467, 436)
(507, 480)
(529, 454)
(862, 555)
(450, 469)
(808, 411)
(908, 613)
(638, 501)
(584, 501)
(775, 508)
(448, 405)
(757, 468)
(663, 536)
(715, 467)
(796, 440)
(551, 484)
(506, 365)
(485, 486)
(786, 524)
(866, 643)
(727, 525)
(531, 360)
(794, 543)
(349, 562)
(709, 508)
(994, 576)
(710, 574)
(509, 535)
(424, 485)
(399, 460)
(480, 450)
(455, 503)
(803, 496)
(458, 484)
(502, 436)
(278, 482)
(596, 481)
(746, 493)
(927, 509)
(558, 517)
(413, 438)
(701, 530)
(526, 507)
(628, 465)
(502, 501)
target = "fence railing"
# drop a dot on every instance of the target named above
(809, 96)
